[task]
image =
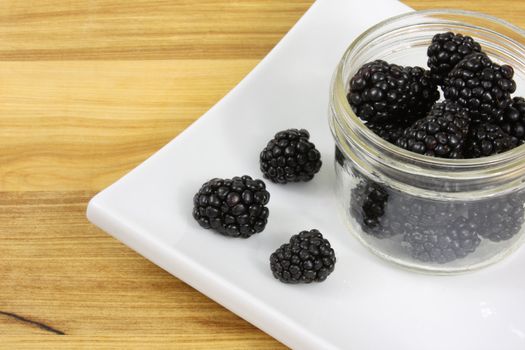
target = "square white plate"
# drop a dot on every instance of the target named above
(365, 303)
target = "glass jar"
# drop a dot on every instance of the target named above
(425, 213)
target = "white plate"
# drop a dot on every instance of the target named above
(366, 303)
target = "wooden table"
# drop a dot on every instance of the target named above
(88, 90)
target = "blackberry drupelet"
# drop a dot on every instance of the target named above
(441, 134)
(441, 244)
(499, 219)
(482, 86)
(232, 207)
(381, 92)
(368, 205)
(446, 50)
(512, 120)
(390, 132)
(290, 157)
(308, 257)
(488, 139)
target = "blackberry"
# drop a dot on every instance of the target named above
(488, 139)
(290, 157)
(232, 207)
(441, 134)
(339, 157)
(499, 219)
(308, 257)
(381, 92)
(512, 120)
(368, 205)
(424, 213)
(442, 244)
(446, 50)
(482, 86)
(390, 132)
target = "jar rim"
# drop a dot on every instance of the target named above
(506, 162)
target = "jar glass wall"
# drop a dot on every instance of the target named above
(430, 214)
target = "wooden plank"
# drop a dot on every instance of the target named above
(143, 29)
(77, 125)
(510, 10)
(60, 274)
(140, 342)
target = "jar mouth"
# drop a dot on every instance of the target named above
(353, 127)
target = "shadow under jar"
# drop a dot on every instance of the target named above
(429, 214)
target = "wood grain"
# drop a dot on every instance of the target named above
(62, 272)
(88, 90)
(84, 123)
(510, 10)
(143, 29)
